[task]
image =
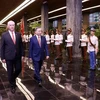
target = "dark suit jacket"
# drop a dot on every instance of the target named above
(9, 50)
(36, 52)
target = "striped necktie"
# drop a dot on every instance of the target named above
(13, 38)
(39, 40)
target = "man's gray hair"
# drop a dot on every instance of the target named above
(10, 22)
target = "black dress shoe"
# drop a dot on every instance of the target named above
(13, 90)
(35, 78)
(92, 69)
(40, 84)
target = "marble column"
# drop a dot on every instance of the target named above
(44, 16)
(74, 21)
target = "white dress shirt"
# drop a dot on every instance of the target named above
(37, 36)
(69, 40)
(57, 39)
(94, 41)
(52, 38)
(83, 40)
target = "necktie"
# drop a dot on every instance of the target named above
(39, 40)
(13, 38)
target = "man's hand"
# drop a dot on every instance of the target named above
(4, 61)
(47, 57)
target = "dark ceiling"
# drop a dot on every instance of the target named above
(6, 6)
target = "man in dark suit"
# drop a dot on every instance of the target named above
(12, 53)
(37, 52)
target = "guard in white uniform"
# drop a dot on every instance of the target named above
(30, 35)
(26, 40)
(23, 40)
(83, 43)
(52, 41)
(47, 39)
(57, 44)
(92, 49)
(69, 44)
(61, 42)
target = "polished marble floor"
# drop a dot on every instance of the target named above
(61, 81)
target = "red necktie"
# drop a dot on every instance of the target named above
(39, 40)
(13, 37)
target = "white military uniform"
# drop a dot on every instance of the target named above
(83, 40)
(57, 39)
(92, 51)
(61, 38)
(30, 35)
(94, 41)
(69, 40)
(26, 38)
(52, 38)
(47, 38)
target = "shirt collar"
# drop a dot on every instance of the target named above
(38, 36)
(10, 31)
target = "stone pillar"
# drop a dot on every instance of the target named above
(74, 21)
(85, 21)
(25, 23)
(60, 24)
(44, 16)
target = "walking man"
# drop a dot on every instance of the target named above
(12, 53)
(37, 51)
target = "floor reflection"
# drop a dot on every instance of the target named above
(91, 90)
(61, 81)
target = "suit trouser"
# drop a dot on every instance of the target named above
(69, 50)
(37, 66)
(92, 57)
(13, 70)
(84, 52)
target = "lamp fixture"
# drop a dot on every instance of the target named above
(16, 10)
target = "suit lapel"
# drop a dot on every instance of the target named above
(38, 42)
(16, 37)
(10, 38)
(41, 41)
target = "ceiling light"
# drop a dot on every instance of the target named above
(57, 16)
(34, 18)
(18, 9)
(91, 8)
(84, 1)
(25, 4)
(54, 11)
(57, 9)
